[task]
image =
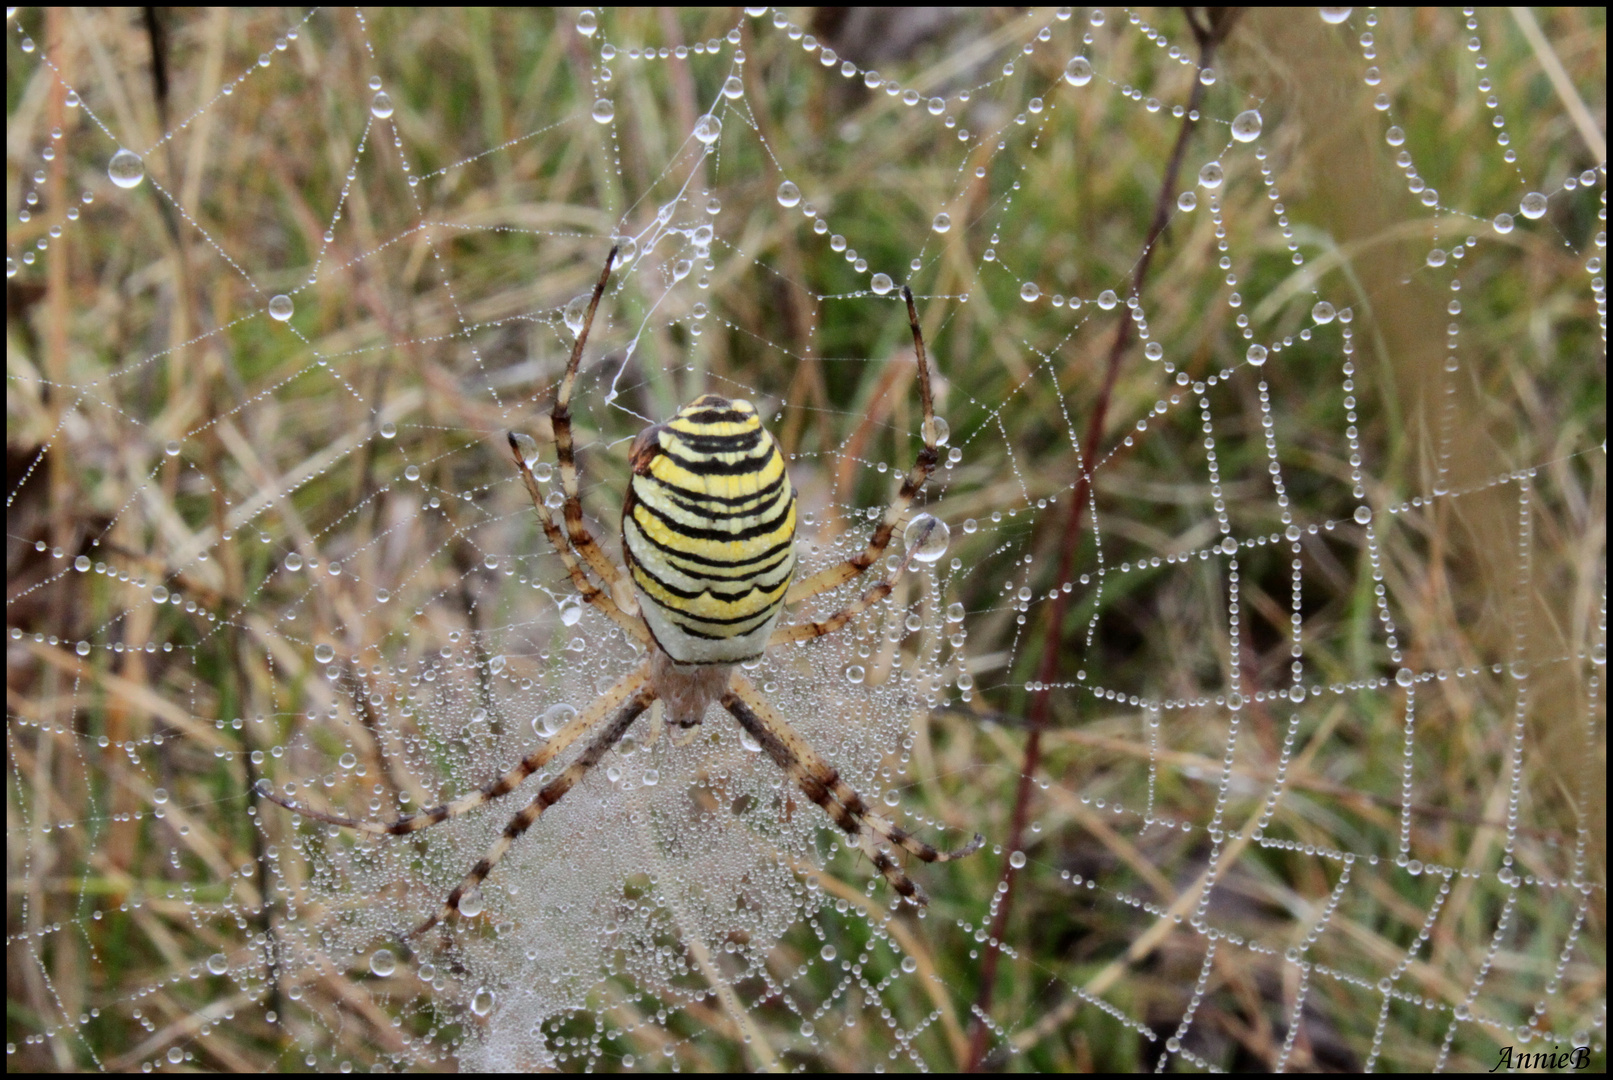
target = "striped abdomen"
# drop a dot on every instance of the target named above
(709, 531)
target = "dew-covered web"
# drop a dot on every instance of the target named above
(1267, 649)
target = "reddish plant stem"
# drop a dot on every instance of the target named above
(1209, 29)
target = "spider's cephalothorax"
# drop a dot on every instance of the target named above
(708, 530)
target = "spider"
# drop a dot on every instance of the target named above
(708, 531)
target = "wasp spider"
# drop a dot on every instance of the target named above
(708, 532)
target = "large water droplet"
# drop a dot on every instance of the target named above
(324, 653)
(1211, 176)
(1363, 515)
(926, 538)
(789, 195)
(1323, 312)
(1246, 126)
(604, 110)
(733, 88)
(383, 963)
(482, 1003)
(1256, 355)
(1029, 291)
(381, 105)
(942, 222)
(881, 284)
(527, 447)
(553, 719)
(1533, 206)
(1078, 72)
(587, 22)
(707, 129)
(1335, 15)
(126, 169)
(281, 308)
(1187, 201)
(575, 313)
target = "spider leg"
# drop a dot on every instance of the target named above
(551, 793)
(821, 783)
(840, 573)
(565, 450)
(808, 630)
(579, 576)
(579, 725)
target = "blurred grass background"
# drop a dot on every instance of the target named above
(103, 900)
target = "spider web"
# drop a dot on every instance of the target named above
(1268, 646)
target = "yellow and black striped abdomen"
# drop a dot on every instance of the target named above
(709, 531)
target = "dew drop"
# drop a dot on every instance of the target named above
(881, 284)
(482, 1003)
(126, 169)
(383, 963)
(1246, 126)
(1029, 291)
(942, 222)
(1078, 72)
(1017, 860)
(381, 105)
(1256, 355)
(1333, 16)
(789, 195)
(217, 964)
(733, 88)
(1363, 515)
(604, 111)
(1502, 223)
(1211, 175)
(926, 538)
(937, 430)
(324, 653)
(708, 129)
(293, 561)
(855, 674)
(1323, 313)
(280, 307)
(587, 22)
(553, 719)
(1404, 677)
(527, 447)
(389, 430)
(1187, 201)
(1533, 206)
